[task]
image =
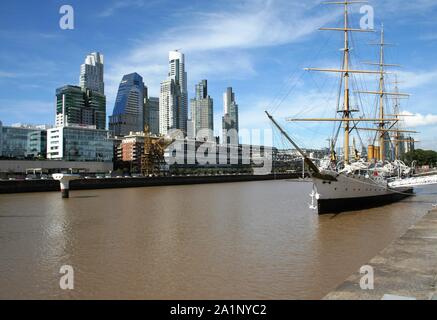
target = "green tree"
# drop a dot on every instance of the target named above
(423, 157)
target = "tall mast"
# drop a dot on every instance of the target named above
(346, 112)
(346, 71)
(382, 133)
(397, 111)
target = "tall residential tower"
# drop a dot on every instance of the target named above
(91, 73)
(230, 119)
(202, 113)
(173, 103)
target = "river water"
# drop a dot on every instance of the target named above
(251, 240)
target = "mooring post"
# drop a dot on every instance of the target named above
(64, 180)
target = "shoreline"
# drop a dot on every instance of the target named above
(406, 269)
(27, 186)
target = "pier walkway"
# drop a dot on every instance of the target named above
(407, 269)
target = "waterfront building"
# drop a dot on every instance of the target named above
(14, 140)
(1, 139)
(131, 149)
(151, 115)
(37, 144)
(129, 109)
(202, 113)
(91, 73)
(184, 155)
(79, 143)
(230, 123)
(78, 106)
(173, 103)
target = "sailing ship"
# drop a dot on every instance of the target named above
(354, 183)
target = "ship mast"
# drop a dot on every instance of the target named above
(346, 71)
(346, 113)
(382, 131)
(382, 134)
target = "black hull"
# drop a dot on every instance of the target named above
(354, 204)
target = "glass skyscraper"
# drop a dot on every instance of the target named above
(79, 106)
(151, 114)
(128, 115)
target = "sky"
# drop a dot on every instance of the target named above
(259, 47)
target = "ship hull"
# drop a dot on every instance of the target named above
(327, 206)
(355, 192)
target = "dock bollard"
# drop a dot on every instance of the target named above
(64, 180)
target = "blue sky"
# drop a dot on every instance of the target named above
(259, 47)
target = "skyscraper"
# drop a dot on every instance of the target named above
(75, 105)
(173, 103)
(230, 119)
(91, 73)
(151, 115)
(202, 114)
(128, 114)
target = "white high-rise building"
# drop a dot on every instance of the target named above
(91, 73)
(230, 124)
(202, 113)
(173, 103)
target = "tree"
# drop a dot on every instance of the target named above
(423, 157)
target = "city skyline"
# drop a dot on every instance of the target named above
(257, 61)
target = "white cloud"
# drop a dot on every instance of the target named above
(419, 120)
(415, 79)
(217, 44)
(121, 4)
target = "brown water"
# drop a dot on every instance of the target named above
(254, 240)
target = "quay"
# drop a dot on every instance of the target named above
(407, 269)
(22, 186)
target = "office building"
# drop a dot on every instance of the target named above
(78, 106)
(230, 124)
(91, 73)
(79, 143)
(128, 115)
(1, 139)
(14, 140)
(202, 114)
(151, 115)
(37, 144)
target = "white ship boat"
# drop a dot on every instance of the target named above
(356, 183)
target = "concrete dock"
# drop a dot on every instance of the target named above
(407, 269)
